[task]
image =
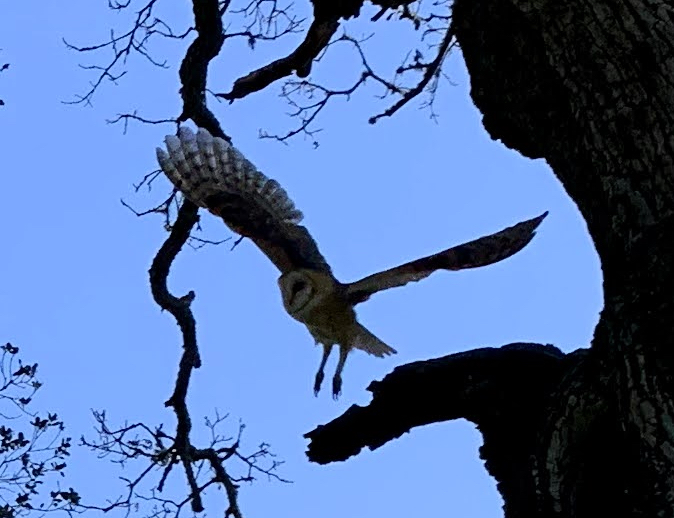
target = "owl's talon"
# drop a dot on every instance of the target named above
(317, 382)
(336, 387)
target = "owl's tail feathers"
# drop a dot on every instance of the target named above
(202, 166)
(366, 341)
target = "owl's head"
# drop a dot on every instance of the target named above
(303, 289)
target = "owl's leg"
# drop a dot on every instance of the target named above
(337, 378)
(320, 374)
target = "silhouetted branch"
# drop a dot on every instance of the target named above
(125, 117)
(298, 61)
(268, 20)
(323, 26)
(320, 96)
(482, 385)
(430, 71)
(308, 98)
(262, 20)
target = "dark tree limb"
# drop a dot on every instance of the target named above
(506, 392)
(526, 399)
(327, 14)
(179, 307)
(308, 98)
(482, 385)
(299, 61)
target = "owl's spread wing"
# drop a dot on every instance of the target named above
(213, 174)
(480, 252)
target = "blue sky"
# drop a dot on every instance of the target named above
(73, 273)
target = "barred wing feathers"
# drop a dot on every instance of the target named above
(213, 174)
(480, 252)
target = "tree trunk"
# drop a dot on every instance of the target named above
(589, 86)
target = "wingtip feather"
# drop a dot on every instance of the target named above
(201, 165)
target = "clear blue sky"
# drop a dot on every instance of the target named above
(74, 292)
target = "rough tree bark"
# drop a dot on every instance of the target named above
(589, 86)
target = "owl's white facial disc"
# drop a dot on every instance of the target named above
(297, 291)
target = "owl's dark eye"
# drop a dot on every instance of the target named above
(296, 288)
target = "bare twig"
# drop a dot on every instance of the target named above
(308, 99)
(126, 117)
(319, 96)
(158, 452)
(431, 71)
(135, 40)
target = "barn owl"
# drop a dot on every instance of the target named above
(211, 173)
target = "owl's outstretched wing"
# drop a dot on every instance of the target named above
(213, 174)
(480, 252)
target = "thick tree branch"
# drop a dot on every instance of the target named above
(478, 385)
(506, 392)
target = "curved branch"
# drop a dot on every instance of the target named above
(179, 307)
(327, 14)
(300, 60)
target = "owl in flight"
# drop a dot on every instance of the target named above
(211, 173)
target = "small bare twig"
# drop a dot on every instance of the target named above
(319, 96)
(156, 453)
(430, 70)
(308, 99)
(126, 117)
(134, 40)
